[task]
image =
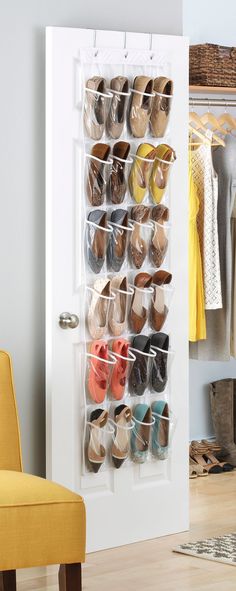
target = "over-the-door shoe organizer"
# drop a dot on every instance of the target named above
(125, 134)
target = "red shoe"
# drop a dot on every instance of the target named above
(99, 370)
(119, 374)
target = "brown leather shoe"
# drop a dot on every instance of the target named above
(138, 246)
(159, 309)
(117, 112)
(163, 87)
(118, 241)
(95, 107)
(159, 243)
(97, 174)
(141, 105)
(138, 313)
(117, 181)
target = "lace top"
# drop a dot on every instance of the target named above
(206, 180)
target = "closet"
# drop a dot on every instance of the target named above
(220, 101)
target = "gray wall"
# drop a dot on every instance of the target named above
(22, 180)
(207, 22)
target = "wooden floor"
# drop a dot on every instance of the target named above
(152, 565)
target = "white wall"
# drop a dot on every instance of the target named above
(22, 179)
(213, 22)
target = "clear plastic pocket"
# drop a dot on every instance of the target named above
(160, 306)
(140, 240)
(162, 433)
(117, 112)
(139, 312)
(122, 369)
(118, 179)
(118, 245)
(141, 371)
(96, 107)
(97, 435)
(123, 426)
(97, 237)
(119, 307)
(140, 438)
(97, 176)
(98, 300)
(159, 243)
(161, 112)
(161, 369)
(139, 177)
(140, 110)
(98, 372)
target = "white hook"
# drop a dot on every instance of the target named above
(126, 52)
(95, 42)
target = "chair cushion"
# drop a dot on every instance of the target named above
(40, 522)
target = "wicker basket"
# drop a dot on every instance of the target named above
(212, 65)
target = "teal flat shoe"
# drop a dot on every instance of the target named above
(160, 430)
(140, 436)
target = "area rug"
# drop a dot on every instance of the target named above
(220, 549)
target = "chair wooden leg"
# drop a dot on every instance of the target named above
(70, 577)
(8, 580)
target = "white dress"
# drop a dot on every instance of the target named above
(206, 180)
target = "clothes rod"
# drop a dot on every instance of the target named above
(205, 102)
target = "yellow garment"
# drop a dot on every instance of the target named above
(41, 522)
(197, 319)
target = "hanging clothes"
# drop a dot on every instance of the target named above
(233, 290)
(206, 180)
(197, 321)
(218, 322)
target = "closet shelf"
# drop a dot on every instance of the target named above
(212, 89)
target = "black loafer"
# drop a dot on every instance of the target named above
(159, 375)
(139, 376)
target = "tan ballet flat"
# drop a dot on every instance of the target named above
(94, 107)
(138, 313)
(141, 105)
(119, 87)
(163, 89)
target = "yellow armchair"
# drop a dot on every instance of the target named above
(41, 522)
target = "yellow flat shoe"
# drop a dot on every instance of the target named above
(165, 155)
(140, 171)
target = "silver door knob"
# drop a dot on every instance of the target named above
(67, 320)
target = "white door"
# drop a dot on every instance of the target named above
(136, 502)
